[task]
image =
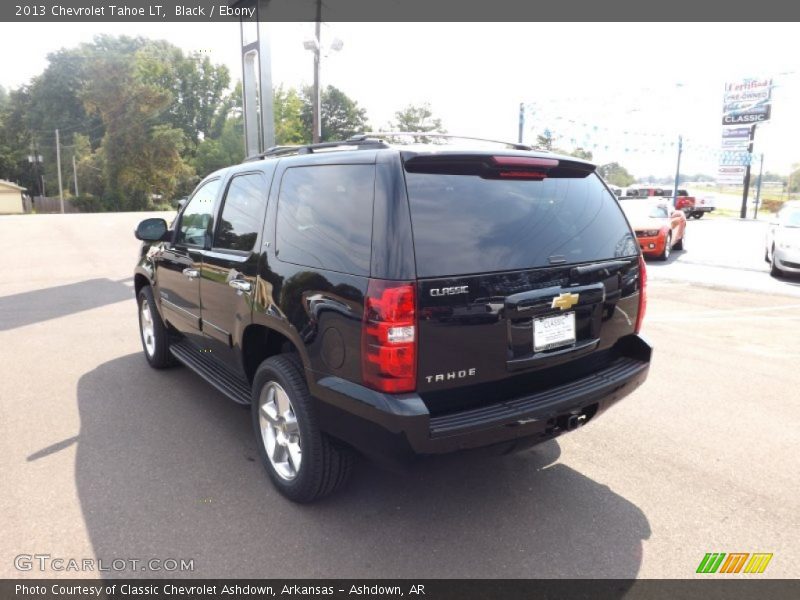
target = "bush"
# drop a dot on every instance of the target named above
(772, 205)
(88, 203)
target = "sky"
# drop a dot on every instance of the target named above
(624, 91)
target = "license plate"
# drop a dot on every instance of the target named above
(553, 332)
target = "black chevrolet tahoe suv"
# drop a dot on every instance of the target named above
(398, 300)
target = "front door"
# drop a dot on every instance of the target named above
(230, 267)
(180, 264)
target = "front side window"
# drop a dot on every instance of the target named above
(242, 213)
(197, 215)
(325, 217)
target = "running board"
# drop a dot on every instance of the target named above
(210, 369)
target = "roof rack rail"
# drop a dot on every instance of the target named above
(434, 134)
(358, 144)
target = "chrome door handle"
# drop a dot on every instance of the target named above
(241, 284)
(191, 273)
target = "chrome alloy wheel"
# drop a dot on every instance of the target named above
(148, 330)
(280, 433)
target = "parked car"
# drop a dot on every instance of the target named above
(643, 191)
(701, 205)
(659, 228)
(782, 247)
(398, 301)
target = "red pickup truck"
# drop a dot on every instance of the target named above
(691, 206)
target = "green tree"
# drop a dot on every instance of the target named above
(417, 118)
(545, 140)
(581, 153)
(197, 88)
(340, 115)
(224, 151)
(142, 158)
(57, 102)
(616, 174)
(15, 141)
(288, 111)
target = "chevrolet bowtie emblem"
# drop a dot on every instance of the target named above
(565, 301)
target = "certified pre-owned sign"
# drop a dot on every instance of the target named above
(747, 102)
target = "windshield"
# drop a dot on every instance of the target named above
(637, 211)
(791, 218)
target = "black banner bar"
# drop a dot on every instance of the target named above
(396, 10)
(710, 588)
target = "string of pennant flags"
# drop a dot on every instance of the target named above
(746, 102)
(594, 137)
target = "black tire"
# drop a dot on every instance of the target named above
(325, 464)
(667, 248)
(698, 215)
(156, 351)
(774, 270)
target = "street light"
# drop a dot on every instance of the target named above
(313, 45)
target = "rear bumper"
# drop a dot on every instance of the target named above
(398, 427)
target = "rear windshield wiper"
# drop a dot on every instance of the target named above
(609, 267)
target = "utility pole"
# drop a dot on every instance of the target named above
(316, 121)
(758, 189)
(743, 211)
(58, 165)
(36, 159)
(75, 175)
(677, 172)
(521, 121)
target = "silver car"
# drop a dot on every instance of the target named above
(782, 250)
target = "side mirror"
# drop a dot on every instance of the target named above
(152, 230)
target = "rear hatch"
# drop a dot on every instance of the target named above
(528, 274)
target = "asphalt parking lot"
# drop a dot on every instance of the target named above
(102, 457)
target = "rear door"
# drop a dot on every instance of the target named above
(517, 275)
(230, 267)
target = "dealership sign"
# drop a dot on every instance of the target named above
(735, 138)
(734, 158)
(731, 175)
(747, 102)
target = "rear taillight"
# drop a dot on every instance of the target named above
(642, 294)
(389, 337)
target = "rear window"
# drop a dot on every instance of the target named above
(465, 224)
(325, 217)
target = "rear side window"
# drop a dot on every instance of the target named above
(325, 217)
(242, 213)
(465, 224)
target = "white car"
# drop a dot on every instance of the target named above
(783, 240)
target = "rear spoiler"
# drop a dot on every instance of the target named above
(498, 166)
